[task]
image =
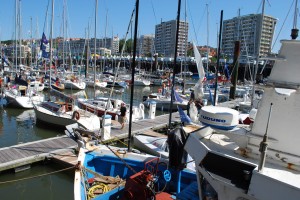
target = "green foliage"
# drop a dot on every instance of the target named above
(129, 45)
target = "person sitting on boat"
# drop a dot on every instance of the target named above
(122, 115)
(192, 95)
(188, 107)
(199, 104)
(163, 92)
(57, 81)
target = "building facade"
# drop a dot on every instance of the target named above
(247, 30)
(165, 38)
(76, 47)
(146, 45)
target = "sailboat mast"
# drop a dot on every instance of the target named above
(19, 32)
(218, 59)
(36, 36)
(208, 49)
(16, 22)
(133, 71)
(63, 27)
(96, 10)
(31, 42)
(51, 36)
(258, 50)
(175, 58)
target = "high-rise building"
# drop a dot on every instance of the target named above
(165, 38)
(146, 45)
(247, 29)
(115, 45)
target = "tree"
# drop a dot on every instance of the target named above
(129, 45)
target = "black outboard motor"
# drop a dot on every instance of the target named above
(176, 141)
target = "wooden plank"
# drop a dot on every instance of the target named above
(68, 158)
(26, 153)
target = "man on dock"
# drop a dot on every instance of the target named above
(123, 115)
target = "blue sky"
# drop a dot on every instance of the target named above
(81, 12)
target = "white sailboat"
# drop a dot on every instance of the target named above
(63, 113)
(22, 97)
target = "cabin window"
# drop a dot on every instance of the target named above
(229, 170)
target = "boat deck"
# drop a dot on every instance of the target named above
(25, 154)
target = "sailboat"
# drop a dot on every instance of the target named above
(260, 162)
(21, 96)
(63, 113)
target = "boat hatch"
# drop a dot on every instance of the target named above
(229, 170)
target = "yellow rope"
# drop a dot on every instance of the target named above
(46, 174)
(97, 186)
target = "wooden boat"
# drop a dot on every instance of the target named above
(113, 173)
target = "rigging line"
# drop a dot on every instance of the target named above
(45, 22)
(191, 18)
(37, 176)
(282, 25)
(153, 12)
(201, 19)
(119, 63)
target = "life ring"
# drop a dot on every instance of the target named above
(76, 115)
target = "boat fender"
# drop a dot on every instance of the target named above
(76, 115)
(121, 151)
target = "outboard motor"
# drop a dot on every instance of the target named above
(176, 141)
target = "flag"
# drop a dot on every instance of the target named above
(4, 60)
(44, 46)
(199, 64)
(177, 97)
(227, 73)
(183, 116)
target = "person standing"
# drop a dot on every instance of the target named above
(123, 115)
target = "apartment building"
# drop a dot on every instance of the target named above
(165, 38)
(247, 29)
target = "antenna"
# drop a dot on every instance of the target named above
(294, 32)
(264, 145)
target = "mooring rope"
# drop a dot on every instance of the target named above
(31, 177)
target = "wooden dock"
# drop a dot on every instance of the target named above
(143, 126)
(24, 154)
(60, 149)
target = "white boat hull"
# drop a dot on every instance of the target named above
(87, 120)
(23, 101)
(74, 85)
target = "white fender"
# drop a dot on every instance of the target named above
(141, 111)
(193, 112)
